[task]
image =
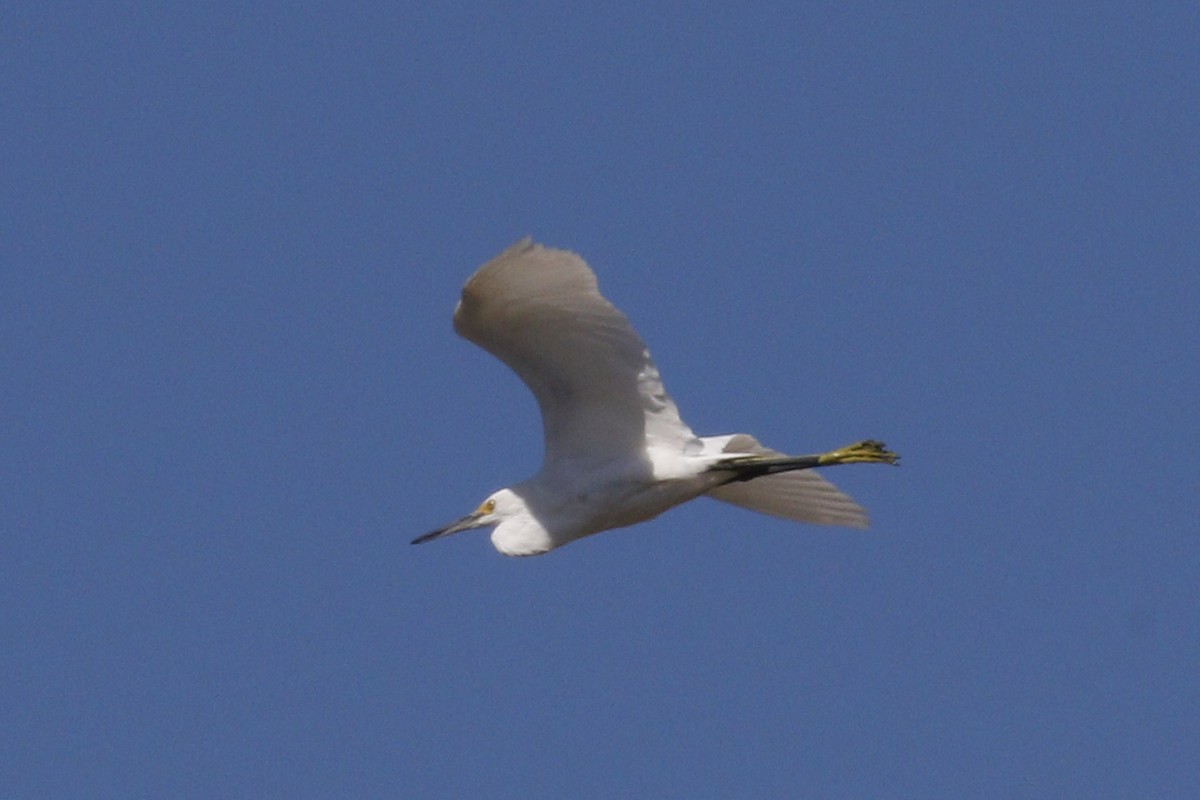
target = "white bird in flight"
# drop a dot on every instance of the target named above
(616, 450)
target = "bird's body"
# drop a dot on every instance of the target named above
(616, 449)
(600, 497)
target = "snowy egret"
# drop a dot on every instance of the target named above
(616, 450)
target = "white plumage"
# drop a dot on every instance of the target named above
(616, 449)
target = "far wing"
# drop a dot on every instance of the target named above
(540, 311)
(802, 496)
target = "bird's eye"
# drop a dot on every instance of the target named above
(488, 507)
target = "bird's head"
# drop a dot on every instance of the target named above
(518, 532)
(490, 512)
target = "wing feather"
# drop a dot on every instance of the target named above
(801, 496)
(540, 311)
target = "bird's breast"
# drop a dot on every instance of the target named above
(625, 504)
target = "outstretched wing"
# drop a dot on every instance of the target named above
(540, 311)
(801, 496)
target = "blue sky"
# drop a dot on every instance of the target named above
(232, 238)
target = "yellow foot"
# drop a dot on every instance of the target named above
(868, 452)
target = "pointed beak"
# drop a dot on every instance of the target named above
(466, 523)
